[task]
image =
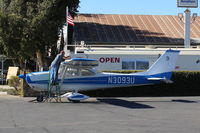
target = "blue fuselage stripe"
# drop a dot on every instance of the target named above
(107, 79)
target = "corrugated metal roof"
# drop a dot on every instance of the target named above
(136, 29)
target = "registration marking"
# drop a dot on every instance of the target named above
(121, 80)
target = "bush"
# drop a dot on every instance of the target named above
(186, 83)
(14, 81)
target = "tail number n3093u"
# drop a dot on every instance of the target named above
(121, 80)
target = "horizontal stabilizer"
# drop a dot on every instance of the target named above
(160, 79)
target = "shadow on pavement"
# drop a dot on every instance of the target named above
(125, 103)
(184, 101)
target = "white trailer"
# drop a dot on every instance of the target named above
(138, 58)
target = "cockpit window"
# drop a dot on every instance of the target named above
(71, 72)
(87, 72)
(74, 72)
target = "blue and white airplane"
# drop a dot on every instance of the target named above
(79, 74)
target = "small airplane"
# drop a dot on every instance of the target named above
(78, 74)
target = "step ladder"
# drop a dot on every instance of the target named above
(57, 94)
(53, 94)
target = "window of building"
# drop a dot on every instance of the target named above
(142, 65)
(128, 65)
(135, 65)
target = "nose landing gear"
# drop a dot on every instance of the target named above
(40, 98)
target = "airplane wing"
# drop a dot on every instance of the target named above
(160, 79)
(81, 63)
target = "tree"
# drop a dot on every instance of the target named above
(28, 28)
(11, 34)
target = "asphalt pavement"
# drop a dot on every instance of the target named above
(101, 115)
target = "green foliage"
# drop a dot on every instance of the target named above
(11, 34)
(29, 27)
(186, 83)
(14, 81)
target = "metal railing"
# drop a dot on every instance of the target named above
(129, 46)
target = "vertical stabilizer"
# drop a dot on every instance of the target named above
(164, 66)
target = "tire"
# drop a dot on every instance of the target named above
(74, 101)
(40, 98)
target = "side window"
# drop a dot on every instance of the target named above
(72, 72)
(87, 72)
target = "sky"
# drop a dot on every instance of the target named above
(139, 7)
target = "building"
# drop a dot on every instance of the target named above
(134, 42)
(138, 58)
(109, 29)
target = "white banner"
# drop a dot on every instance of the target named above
(12, 71)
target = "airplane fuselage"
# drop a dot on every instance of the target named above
(40, 81)
(79, 74)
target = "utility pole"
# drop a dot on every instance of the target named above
(187, 29)
(187, 4)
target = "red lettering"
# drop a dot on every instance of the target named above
(101, 60)
(109, 60)
(117, 60)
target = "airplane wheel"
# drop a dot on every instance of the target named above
(74, 101)
(40, 98)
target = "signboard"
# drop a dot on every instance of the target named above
(12, 71)
(187, 3)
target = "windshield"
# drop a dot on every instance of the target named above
(87, 72)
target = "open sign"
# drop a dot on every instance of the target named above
(109, 60)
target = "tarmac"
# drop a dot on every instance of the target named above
(101, 115)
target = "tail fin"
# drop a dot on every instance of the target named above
(164, 66)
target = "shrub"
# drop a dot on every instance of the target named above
(14, 81)
(186, 83)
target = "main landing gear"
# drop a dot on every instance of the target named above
(40, 98)
(71, 96)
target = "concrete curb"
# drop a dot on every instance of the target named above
(3, 93)
(6, 87)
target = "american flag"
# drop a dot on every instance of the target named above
(70, 20)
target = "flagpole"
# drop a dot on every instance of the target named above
(66, 41)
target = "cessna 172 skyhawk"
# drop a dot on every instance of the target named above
(78, 74)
